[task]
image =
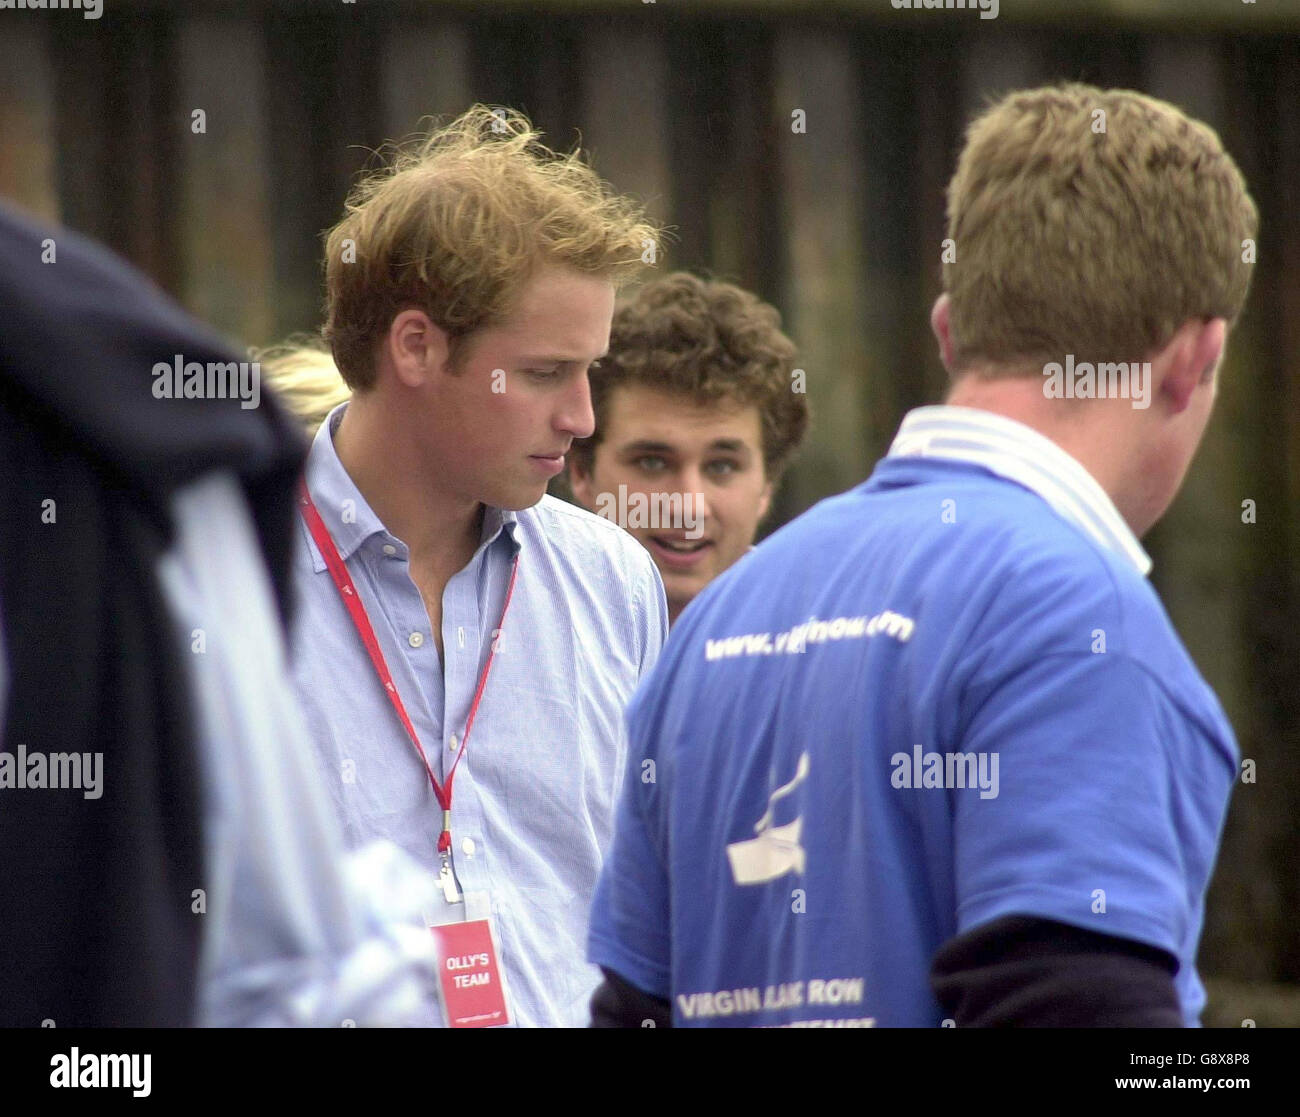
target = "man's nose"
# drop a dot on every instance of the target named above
(695, 490)
(576, 416)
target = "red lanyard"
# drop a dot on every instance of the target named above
(348, 592)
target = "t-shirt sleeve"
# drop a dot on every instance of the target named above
(629, 932)
(1096, 814)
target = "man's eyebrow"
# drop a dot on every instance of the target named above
(648, 446)
(554, 359)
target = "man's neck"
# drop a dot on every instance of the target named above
(1100, 441)
(442, 532)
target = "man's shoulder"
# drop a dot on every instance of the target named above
(976, 547)
(1031, 574)
(583, 538)
(561, 519)
(967, 526)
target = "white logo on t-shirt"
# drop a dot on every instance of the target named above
(776, 851)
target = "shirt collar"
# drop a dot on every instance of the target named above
(1019, 453)
(350, 519)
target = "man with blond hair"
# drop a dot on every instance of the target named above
(467, 643)
(959, 769)
(697, 415)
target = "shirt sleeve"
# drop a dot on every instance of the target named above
(616, 1004)
(629, 931)
(1102, 798)
(1019, 972)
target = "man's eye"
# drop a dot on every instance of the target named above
(543, 373)
(724, 468)
(651, 463)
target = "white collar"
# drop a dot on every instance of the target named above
(1021, 454)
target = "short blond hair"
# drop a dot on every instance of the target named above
(1092, 222)
(455, 223)
(301, 371)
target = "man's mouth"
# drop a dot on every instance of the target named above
(681, 546)
(549, 463)
(677, 553)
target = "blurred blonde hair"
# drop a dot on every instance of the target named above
(454, 225)
(1093, 222)
(301, 371)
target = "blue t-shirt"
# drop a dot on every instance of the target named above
(927, 703)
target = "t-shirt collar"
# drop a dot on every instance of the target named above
(1019, 453)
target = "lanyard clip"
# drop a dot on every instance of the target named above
(447, 879)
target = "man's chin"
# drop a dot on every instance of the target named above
(681, 587)
(518, 500)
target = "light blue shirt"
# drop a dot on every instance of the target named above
(535, 792)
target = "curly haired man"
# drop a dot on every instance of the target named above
(696, 402)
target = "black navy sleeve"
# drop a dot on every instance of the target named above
(1024, 972)
(616, 1004)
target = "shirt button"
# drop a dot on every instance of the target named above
(460, 635)
(389, 549)
(415, 639)
(468, 846)
(453, 744)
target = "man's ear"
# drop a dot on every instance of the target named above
(1190, 360)
(939, 324)
(416, 347)
(765, 501)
